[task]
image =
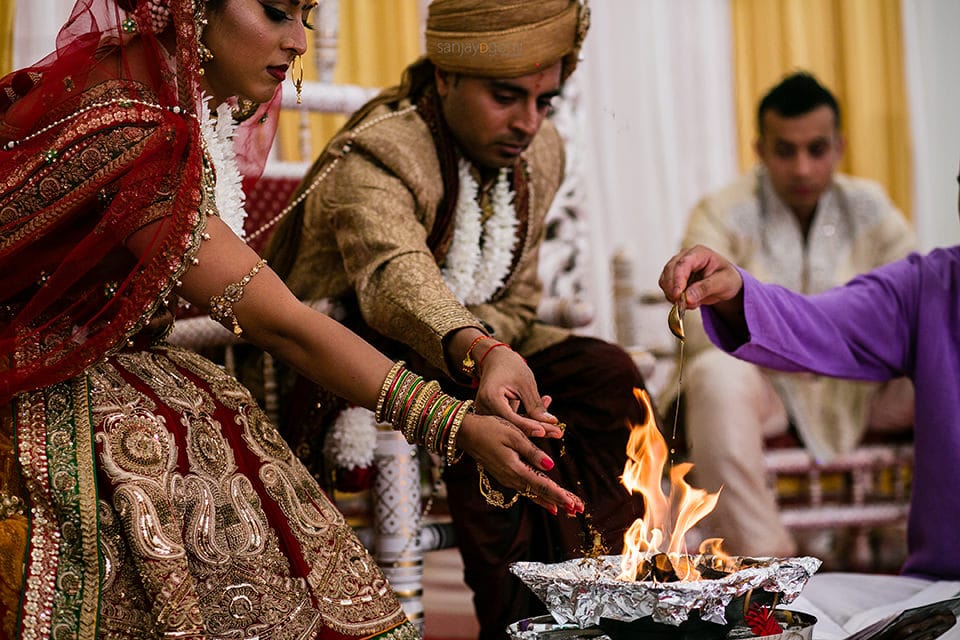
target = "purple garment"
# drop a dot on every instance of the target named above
(900, 319)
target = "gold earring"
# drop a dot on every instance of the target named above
(296, 68)
(204, 54)
(200, 22)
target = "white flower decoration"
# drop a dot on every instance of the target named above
(351, 439)
(218, 137)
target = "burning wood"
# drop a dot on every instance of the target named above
(665, 567)
(661, 567)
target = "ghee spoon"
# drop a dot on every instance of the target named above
(675, 318)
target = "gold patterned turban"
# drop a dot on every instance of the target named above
(505, 38)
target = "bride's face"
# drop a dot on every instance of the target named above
(253, 44)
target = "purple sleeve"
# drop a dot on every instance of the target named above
(860, 330)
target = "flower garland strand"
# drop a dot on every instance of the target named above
(218, 133)
(480, 253)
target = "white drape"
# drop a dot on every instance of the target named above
(658, 101)
(36, 23)
(932, 51)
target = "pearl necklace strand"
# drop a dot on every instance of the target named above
(123, 102)
(345, 149)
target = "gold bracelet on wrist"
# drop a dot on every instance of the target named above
(468, 365)
(493, 497)
(453, 454)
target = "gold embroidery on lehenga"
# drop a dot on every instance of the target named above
(354, 596)
(139, 457)
(124, 607)
(43, 544)
(234, 567)
(182, 530)
(87, 486)
(63, 564)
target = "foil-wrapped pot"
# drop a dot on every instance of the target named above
(793, 625)
(584, 590)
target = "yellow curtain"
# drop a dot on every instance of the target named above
(6, 37)
(377, 39)
(855, 48)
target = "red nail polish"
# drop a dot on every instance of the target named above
(547, 464)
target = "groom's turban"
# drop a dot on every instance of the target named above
(505, 38)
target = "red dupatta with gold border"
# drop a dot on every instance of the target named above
(98, 139)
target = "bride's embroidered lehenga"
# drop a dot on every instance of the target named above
(144, 493)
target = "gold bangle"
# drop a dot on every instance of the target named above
(406, 385)
(387, 383)
(452, 454)
(436, 415)
(413, 421)
(221, 307)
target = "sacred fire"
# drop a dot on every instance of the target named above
(654, 546)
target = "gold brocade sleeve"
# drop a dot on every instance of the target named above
(365, 231)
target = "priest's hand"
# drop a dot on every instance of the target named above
(704, 277)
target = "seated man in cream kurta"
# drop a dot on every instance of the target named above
(423, 221)
(792, 221)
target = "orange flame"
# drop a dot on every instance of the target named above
(647, 454)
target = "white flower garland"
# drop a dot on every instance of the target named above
(480, 253)
(351, 439)
(218, 136)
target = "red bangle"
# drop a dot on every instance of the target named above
(485, 353)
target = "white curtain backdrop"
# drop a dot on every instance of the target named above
(932, 52)
(657, 96)
(658, 102)
(36, 23)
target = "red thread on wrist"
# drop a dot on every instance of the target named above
(487, 352)
(468, 365)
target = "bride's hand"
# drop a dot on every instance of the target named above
(509, 456)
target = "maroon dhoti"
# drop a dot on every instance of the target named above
(591, 383)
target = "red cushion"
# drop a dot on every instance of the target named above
(265, 200)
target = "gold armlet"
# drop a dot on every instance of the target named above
(221, 307)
